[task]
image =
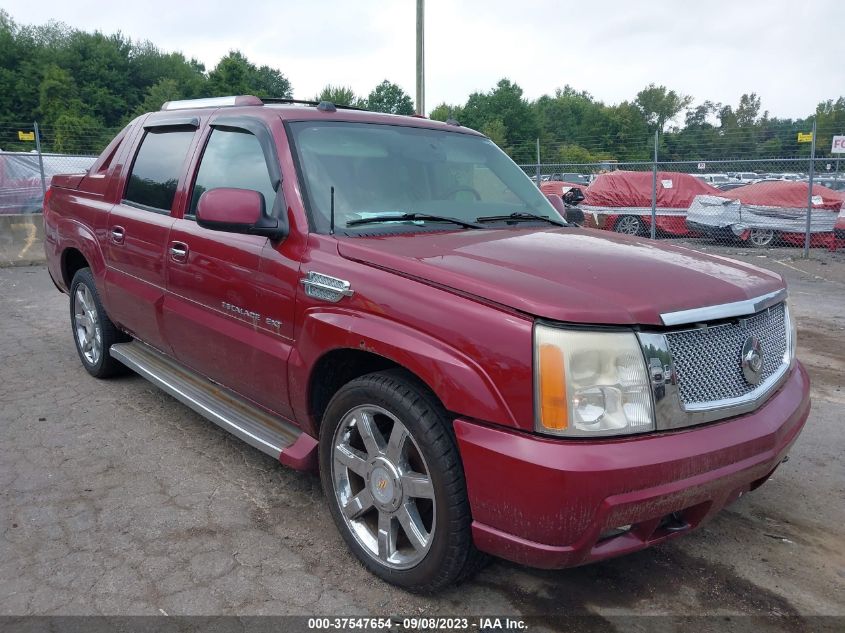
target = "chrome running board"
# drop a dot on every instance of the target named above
(230, 412)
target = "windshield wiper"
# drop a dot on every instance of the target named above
(413, 217)
(520, 216)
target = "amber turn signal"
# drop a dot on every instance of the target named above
(553, 406)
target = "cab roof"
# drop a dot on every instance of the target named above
(294, 110)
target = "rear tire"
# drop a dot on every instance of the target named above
(762, 238)
(629, 225)
(392, 475)
(93, 331)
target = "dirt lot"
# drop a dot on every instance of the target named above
(116, 499)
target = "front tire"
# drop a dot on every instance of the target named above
(394, 481)
(93, 331)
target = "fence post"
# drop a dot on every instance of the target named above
(538, 162)
(654, 190)
(810, 191)
(40, 159)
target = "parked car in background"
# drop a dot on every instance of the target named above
(717, 179)
(728, 186)
(767, 213)
(621, 201)
(839, 226)
(582, 180)
(837, 183)
(747, 177)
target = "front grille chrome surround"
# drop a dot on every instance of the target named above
(703, 378)
(707, 359)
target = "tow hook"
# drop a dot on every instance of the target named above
(674, 523)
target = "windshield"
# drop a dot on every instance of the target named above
(379, 170)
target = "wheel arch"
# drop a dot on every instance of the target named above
(352, 346)
(78, 246)
(72, 260)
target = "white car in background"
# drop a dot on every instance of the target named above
(717, 179)
(747, 177)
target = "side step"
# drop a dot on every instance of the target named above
(241, 418)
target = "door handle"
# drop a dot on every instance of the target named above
(179, 252)
(117, 234)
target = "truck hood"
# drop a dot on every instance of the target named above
(566, 274)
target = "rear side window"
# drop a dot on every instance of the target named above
(233, 158)
(157, 167)
(102, 164)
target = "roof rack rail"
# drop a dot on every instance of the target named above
(308, 102)
(212, 102)
(249, 100)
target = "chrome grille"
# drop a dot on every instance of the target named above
(707, 360)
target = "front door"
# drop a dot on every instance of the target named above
(214, 315)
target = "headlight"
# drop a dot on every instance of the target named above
(590, 383)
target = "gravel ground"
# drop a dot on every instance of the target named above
(115, 499)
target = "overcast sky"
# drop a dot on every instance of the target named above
(790, 52)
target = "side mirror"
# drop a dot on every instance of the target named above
(573, 196)
(236, 211)
(557, 203)
(570, 213)
(574, 215)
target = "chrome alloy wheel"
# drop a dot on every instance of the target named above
(86, 324)
(628, 225)
(383, 487)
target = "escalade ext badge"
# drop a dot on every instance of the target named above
(326, 288)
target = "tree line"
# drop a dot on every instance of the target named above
(83, 86)
(574, 127)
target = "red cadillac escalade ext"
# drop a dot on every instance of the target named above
(392, 301)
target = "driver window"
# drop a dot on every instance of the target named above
(233, 158)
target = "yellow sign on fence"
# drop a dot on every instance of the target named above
(26, 136)
(805, 138)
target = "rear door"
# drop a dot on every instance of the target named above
(139, 226)
(215, 317)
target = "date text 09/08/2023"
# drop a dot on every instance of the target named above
(417, 623)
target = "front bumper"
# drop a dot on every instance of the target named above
(546, 502)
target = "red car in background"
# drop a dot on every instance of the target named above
(621, 201)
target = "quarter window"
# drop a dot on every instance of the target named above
(158, 164)
(233, 158)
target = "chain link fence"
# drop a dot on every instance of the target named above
(756, 203)
(762, 204)
(28, 163)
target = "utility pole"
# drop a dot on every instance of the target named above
(654, 190)
(421, 57)
(40, 159)
(810, 192)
